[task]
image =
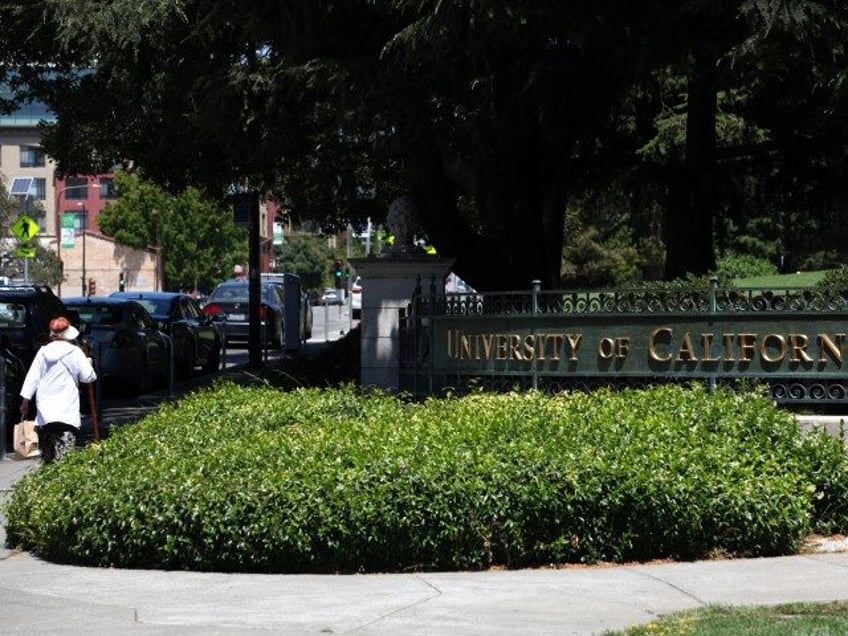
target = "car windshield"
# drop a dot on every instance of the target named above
(156, 307)
(12, 315)
(230, 293)
(236, 293)
(99, 314)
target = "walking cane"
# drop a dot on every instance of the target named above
(92, 403)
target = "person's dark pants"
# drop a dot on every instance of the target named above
(55, 439)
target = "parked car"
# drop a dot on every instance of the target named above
(25, 313)
(130, 353)
(331, 296)
(196, 336)
(356, 298)
(230, 299)
(291, 288)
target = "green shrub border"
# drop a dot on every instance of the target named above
(253, 479)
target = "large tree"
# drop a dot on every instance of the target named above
(490, 113)
(478, 109)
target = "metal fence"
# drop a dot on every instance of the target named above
(793, 340)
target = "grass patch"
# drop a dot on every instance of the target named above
(795, 619)
(781, 281)
(253, 479)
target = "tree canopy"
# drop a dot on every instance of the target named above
(199, 242)
(494, 115)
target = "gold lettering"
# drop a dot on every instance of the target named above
(746, 346)
(686, 350)
(514, 347)
(556, 339)
(622, 347)
(488, 339)
(798, 345)
(652, 344)
(727, 339)
(781, 347)
(500, 346)
(529, 347)
(451, 351)
(828, 345)
(541, 342)
(465, 348)
(573, 344)
(606, 348)
(707, 343)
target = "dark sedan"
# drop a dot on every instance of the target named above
(131, 354)
(196, 336)
(230, 300)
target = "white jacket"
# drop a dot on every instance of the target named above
(53, 377)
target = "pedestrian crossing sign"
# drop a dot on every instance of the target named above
(25, 228)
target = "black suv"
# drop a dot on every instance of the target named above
(25, 315)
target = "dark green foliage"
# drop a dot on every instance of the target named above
(308, 257)
(735, 266)
(251, 479)
(837, 278)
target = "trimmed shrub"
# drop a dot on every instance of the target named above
(251, 479)
(835, 278)
(733, 266)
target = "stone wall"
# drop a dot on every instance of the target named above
(105, 259)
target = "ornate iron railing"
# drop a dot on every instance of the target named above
(792, 339)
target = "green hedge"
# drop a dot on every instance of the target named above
(253, 479)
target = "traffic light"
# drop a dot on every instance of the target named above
(121, 282)
(92, 287)
(338, 274)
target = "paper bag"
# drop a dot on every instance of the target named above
(26, 440)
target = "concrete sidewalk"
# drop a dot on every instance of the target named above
(37, 597)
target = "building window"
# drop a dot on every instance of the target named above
(32, 157)
(108, 189)
(76, 188)
(38, 189)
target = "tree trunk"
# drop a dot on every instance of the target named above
(524, 209)
(692, 201)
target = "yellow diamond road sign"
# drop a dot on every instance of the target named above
(25, 251)
(24, 228)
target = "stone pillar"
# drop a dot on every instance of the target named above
(388, 282)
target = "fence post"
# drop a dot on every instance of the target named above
(430, 313)
(537, 285)
(415, 324)
(713, 309)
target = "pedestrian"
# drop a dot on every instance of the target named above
(53, 378)
(238, 273)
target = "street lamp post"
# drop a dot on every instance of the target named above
(84, 228)
(59, 230)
